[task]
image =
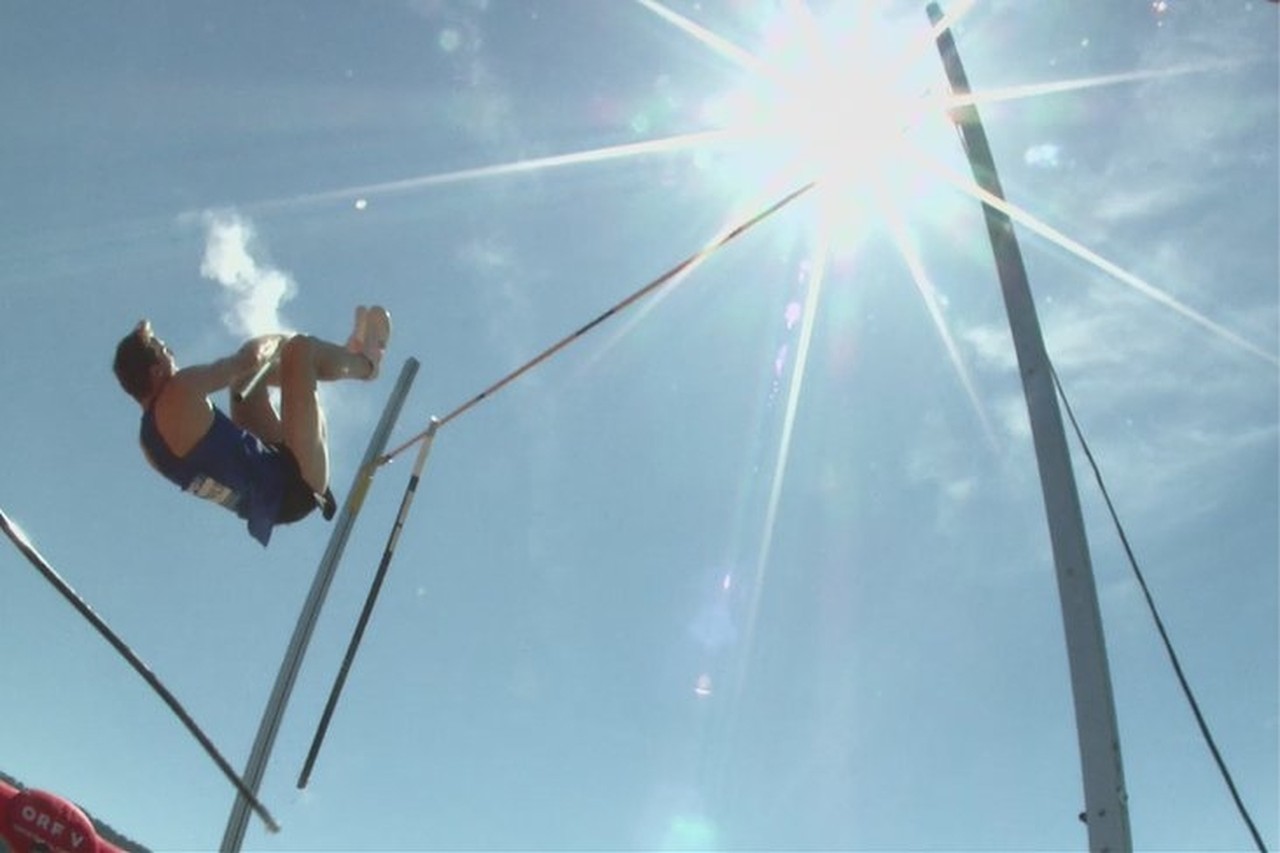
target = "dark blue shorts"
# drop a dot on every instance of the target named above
(299, 499)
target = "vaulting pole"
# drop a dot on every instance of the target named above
(1106, 802)
(270, 725)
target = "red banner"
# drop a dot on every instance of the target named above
(36, 820)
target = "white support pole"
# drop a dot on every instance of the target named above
(270, 725)
(1106, 811)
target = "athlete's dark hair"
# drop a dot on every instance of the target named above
(133, 363)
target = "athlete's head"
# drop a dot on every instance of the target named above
(137, 354)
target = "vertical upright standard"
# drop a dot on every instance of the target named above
(233, 837)
(1106, 809)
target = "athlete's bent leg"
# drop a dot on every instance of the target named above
(300, 411)
(255, 413)
(305, 362)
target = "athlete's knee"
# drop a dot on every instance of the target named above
(299, 351)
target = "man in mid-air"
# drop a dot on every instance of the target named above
(267, 468)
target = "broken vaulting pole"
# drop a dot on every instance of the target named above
(1106, 811)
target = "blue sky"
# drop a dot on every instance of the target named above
(761, 563)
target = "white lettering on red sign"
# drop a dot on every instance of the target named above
(51, 825)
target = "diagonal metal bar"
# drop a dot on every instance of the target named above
(233, 837)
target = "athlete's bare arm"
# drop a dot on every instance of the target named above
(205, 379)
(183, 411)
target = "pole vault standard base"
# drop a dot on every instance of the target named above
(270, 725)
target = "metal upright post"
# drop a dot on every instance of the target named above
(1106, 808)
(233, 837)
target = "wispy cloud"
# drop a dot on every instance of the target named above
(1155, 404)
(253, 291)
(1046, 155)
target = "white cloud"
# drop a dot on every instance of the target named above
(253, 291)
(1045, 156)
(253, 294)
(1120, 205)
(1156, 403)
(992, 346)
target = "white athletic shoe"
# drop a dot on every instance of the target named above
(371, 334)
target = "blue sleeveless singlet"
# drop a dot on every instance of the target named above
(230, 466)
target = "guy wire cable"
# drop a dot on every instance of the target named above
(1155, 614)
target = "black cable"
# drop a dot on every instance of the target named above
(1155, 614)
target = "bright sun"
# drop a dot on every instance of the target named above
(840, 101)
